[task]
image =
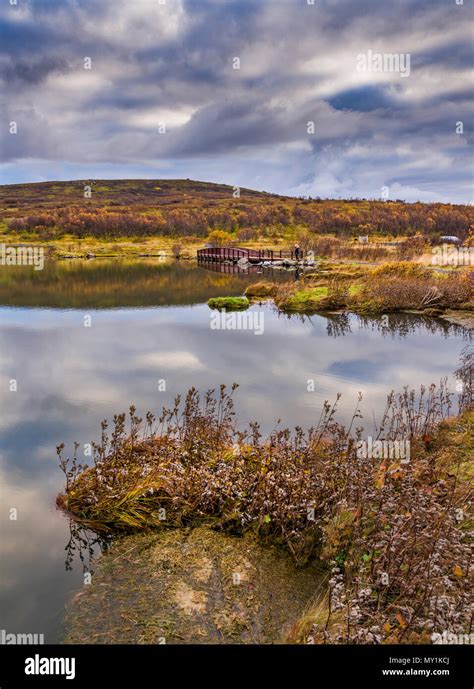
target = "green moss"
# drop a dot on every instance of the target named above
(308, 299)
(355, 289)
(229, 303)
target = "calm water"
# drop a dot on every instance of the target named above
(70, 377)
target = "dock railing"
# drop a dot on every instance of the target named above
(223, 253)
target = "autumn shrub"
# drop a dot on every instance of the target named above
(284, 291)
(397, 286)
(392, 533)
(344, 218)
(337, 248)
(220, 238)
(337, 295)
(401, 269)
(400, 557)
(32, 222)
(183, 207)
(97, 223)
(177, 250)
(458, 288)
(412, 247)
(261, 290)
(246, 234)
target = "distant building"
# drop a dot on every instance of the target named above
(450, 239)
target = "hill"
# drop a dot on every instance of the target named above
(176, 208)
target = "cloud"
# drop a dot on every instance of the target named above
(170, 360)
(173, 63)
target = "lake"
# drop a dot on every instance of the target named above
(85, 339)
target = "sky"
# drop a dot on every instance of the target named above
(329, 98)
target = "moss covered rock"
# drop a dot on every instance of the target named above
(197, 585)
(229, 303)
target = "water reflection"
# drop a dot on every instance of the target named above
(85, 546)
(107, 283)
(396, 325)
(70, 377)
(236, 269)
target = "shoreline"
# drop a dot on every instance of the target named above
(390, 288)
(327, 287)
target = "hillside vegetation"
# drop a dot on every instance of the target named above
(186, 208)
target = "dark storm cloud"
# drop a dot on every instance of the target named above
(173, 64)
(363, 99)
(32, 71)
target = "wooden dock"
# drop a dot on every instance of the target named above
(234, 254)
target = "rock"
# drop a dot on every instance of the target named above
(191, 586)
(462, 318)
(243, 262)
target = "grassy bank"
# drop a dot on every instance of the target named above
(391, 533)
(388, 288)
(69, 247)
(448, 453)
